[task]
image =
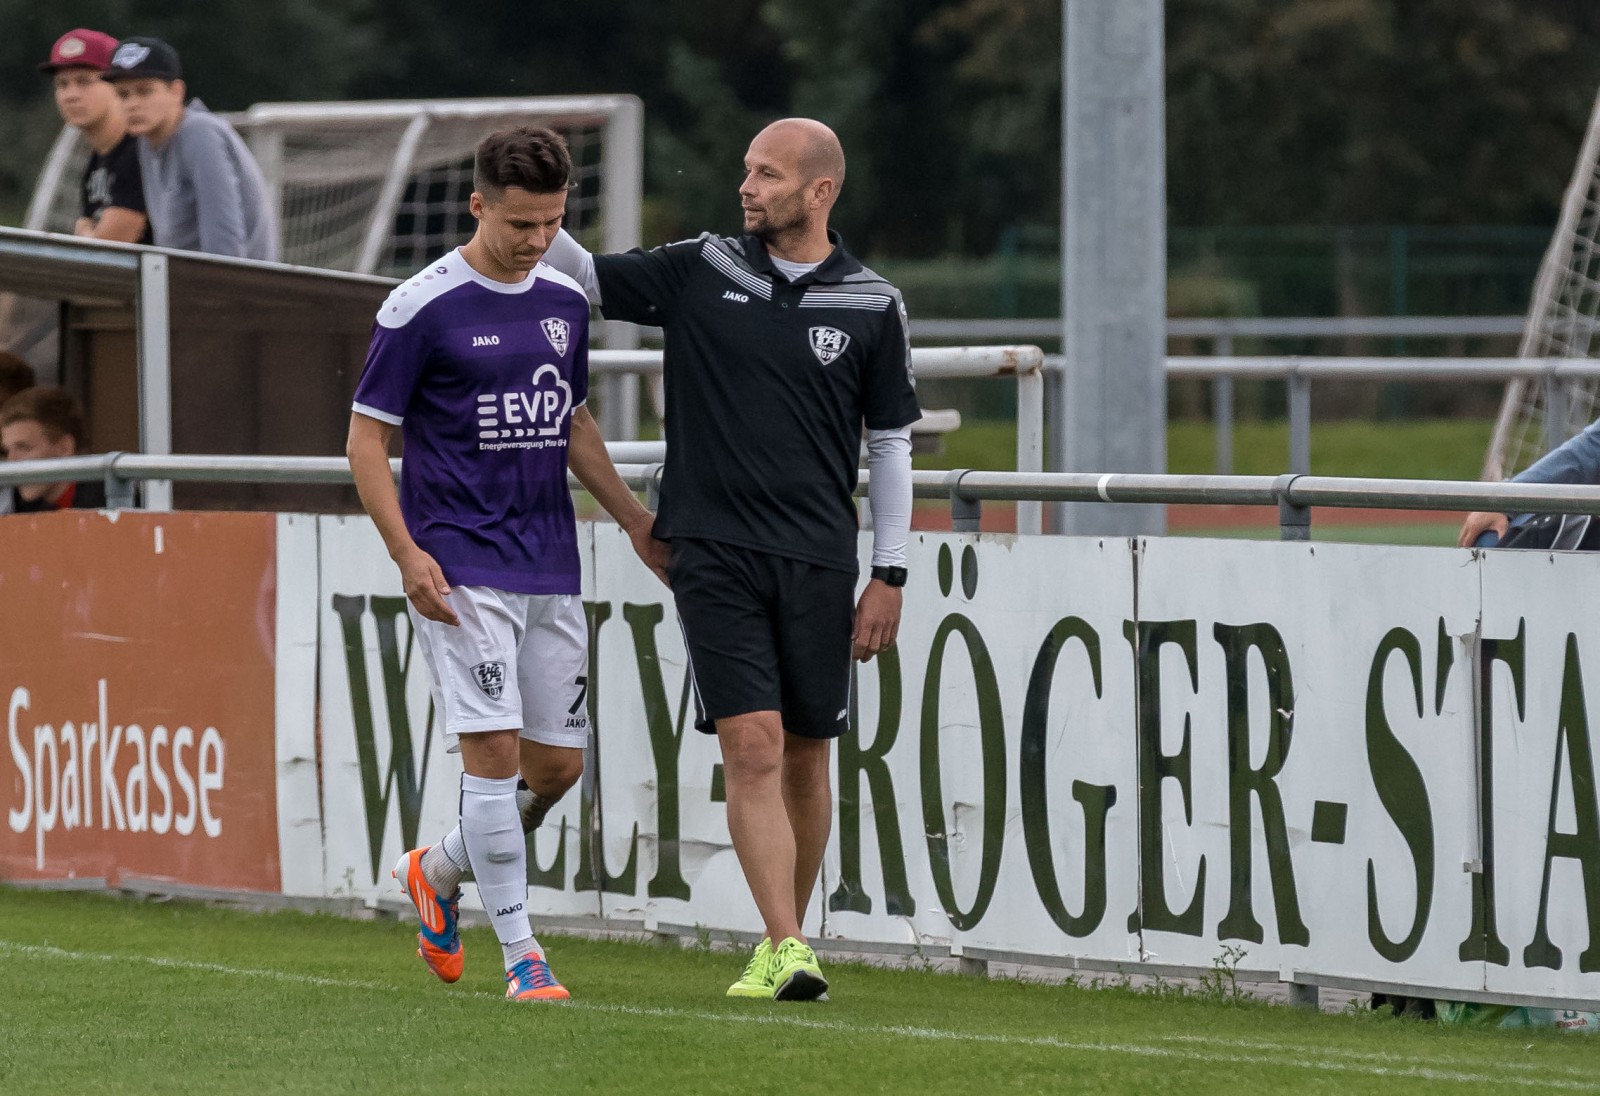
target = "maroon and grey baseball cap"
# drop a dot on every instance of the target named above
(81, 49)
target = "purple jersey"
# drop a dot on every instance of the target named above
(483, 377)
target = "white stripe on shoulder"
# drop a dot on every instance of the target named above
(730, 267)
(373, 413)
(426, 285)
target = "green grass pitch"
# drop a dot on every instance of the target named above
(114, 995)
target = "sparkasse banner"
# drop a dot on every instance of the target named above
(137, 677)
(1357, 761)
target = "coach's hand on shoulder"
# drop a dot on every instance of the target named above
(655, 553)
(877, 619)
(425, 586)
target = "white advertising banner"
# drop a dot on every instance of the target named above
(1536, 914)
(1309, 696)
(1309, 758)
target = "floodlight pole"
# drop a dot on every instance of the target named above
(1112, 413)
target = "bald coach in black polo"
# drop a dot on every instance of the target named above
(780, 348)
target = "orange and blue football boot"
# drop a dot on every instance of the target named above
(439, 941)
(529, 979)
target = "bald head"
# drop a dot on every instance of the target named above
(793, 172)
(813, 147)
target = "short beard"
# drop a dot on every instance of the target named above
(770, 231)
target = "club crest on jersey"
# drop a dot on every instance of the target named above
(491, 678)
(827, 343)
(556, 331)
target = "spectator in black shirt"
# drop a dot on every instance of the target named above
(112, 193)
(38, 424)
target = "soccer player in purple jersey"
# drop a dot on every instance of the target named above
(481, 362)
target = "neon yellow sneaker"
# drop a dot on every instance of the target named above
(756, 981)
(795, 974)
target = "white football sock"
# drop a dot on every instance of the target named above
(492, 833)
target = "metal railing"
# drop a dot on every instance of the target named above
(966, 489)
(1253, 327)
(1025, 363)
(1297, 373)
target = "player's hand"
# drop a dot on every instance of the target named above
(877, 620)
(655, 553)
(426, 588)
(1479, 523)
(83, 226)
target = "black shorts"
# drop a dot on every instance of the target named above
(765, 633)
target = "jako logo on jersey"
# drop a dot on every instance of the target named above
(491, 678)
(730, 295)
(486, 340)
(524, 414)
(556, 331)
(827, 343)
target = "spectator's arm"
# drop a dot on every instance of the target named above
(1576, 460)
(219, 201)
(116, 223)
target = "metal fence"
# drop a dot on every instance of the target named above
(966, 489)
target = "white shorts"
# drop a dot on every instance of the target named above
(517, 662)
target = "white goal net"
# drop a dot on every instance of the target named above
(382, 187)
(1563, 321)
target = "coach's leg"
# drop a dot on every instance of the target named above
(808, 799)
(758, 821)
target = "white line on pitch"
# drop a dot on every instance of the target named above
(1295, 1060)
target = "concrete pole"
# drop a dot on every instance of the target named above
(1113, 254)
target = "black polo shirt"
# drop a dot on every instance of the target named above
(768, 384)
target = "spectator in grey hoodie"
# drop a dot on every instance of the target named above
(202, 188)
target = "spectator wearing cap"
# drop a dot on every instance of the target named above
(112, 196)
(204, 190)
(40, 423)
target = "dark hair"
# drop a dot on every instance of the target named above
(528, 157)
(15, 375)
(52, 408)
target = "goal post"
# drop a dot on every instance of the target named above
(1563, 320)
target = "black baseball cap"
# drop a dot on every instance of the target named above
(138, 57)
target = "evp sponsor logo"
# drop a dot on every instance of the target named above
(538, 412)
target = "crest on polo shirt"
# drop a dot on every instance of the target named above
(556, 331)
(491, 678)
(827, 343)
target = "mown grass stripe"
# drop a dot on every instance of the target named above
(1197, 1049)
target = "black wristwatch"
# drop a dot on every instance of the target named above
(890, 576)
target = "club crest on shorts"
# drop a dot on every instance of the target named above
(827, 343)
(491, 678)
(556, 331)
